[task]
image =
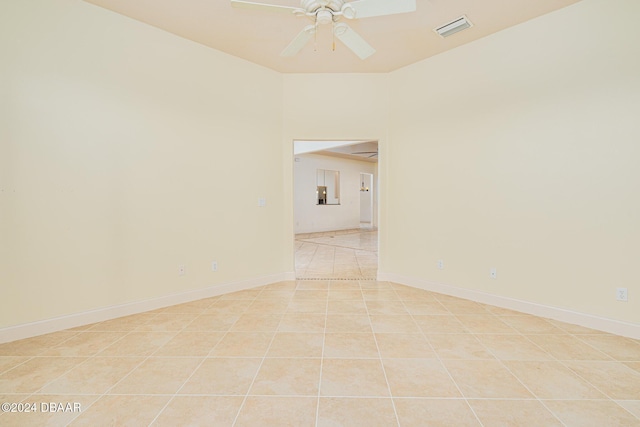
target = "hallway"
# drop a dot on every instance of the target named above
(344, 255)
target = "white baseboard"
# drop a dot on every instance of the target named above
(326, 229)
(46, 326)
(617, 327)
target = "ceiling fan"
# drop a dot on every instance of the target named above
(323, 12)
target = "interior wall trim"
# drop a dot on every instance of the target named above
(32, 329)
(604, 324)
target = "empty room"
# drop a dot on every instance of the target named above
(168, 257)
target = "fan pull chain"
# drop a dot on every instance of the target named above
(333, 36)
(315, 37)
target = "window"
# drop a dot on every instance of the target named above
(328, 187)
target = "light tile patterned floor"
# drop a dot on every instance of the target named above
(344, 254)
(326, 353)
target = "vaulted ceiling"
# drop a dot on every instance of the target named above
(260, 36)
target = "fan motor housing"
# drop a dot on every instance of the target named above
(324, 16)
(313, 5)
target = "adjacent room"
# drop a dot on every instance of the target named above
(335, 209)
(167, 257)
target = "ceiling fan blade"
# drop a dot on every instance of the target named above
(262, 6)
(370, 8)
(353, 41)
(299, 41)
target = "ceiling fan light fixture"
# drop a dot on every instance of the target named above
(324, 16)
(454, 27)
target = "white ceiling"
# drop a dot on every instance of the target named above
(363, 151)
(301, 146)
(366, 151)
(260, 36)
(355, 150)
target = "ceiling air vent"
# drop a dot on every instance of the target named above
(453, 27)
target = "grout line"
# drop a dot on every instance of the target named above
(564, 363)
(154, 352)
(373, 251)
(324, 337)
(504, 365)
(384, 371)
(38, 354)
(260, 365)
(175, 394)
(593, 347)
(314, 264)
(617, 402)
(28, 358)
(440, 359)
(515, 399)
(97, 354)
(519, 380)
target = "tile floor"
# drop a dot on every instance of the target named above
(326, 353)
(344, 254)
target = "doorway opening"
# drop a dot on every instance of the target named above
(366, 201)
(335, 200)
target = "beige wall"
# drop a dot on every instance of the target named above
(520, 152)
(126, 151)
(121, 150)
(311, 217)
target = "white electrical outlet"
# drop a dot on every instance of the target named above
(621, 294)
(262, 202)
(493, 273)
(214, 265)
(182, 270)
(440, 264)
